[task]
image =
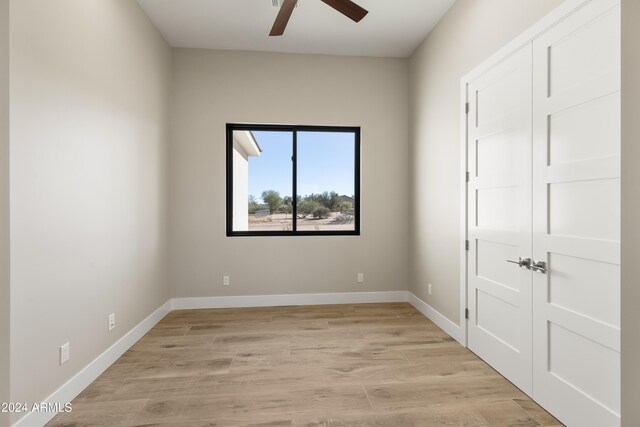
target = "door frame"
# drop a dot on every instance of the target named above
(559, 13)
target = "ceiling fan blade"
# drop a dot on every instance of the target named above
(348, 8)
(283, 17)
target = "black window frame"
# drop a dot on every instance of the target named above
(294, 129)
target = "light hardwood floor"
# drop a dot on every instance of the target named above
(331, 365)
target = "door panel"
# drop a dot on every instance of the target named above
(499, 221)
(585, 208)
(576, 211)
(494, 154)
(572, 139)
(581, 50)
(502, 274)
(492, 310)
(576, 285)
(604, 387)
(497, 207)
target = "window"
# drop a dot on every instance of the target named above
(267, 165)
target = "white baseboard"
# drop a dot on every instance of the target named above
(288, 299)
(72, 388)
(436, 317)
(320, 299)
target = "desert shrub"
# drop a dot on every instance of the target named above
(306, 208)
(321, 212)
(345, 206)
(326, 199)
(343, 218)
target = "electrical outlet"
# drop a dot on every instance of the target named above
(429, 288)
(112, 321)
(226, 281)
(360, 277)
(64, 353)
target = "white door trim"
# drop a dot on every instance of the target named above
(464, 170)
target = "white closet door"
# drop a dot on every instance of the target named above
(499, 217)
(576, 186)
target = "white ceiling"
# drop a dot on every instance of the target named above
(393, 28)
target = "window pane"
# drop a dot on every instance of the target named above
(262, 181)
(326, 181)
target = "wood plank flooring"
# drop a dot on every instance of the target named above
(331, 365)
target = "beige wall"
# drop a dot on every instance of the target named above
(90, 86)
(4, 207)
(470, 32)
(212, 88)
(630, 212)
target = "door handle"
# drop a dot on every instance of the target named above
(539, 266)
(522, 262)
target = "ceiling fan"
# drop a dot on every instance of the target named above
(346, 7)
